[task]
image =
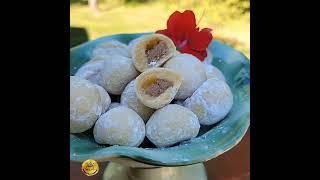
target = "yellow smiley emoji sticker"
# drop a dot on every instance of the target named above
(90, 167)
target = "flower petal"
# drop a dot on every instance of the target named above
(173, 21)
(188, 21)
(201, 55)
(182, 30)
(200, 41)
(180, 25)
(166, 33)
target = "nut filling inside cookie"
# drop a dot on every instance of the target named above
(155, 87)
(155, 50)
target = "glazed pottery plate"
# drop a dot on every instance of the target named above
(212, 140)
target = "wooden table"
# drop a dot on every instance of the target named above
(232, 165)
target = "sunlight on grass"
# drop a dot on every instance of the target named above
(119, 18)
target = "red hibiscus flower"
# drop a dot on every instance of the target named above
(183, 31)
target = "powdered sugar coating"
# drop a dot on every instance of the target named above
(114, 105)
(90, 71)
(133, 42)
(211, 102)
(172, 124)
(192, 71)
(87, 102)
(213, 72)
(104, 97)
(129, 98)
(111, 48)
(119, 126)
(117, 72)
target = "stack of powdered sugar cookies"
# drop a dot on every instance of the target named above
(146, 88)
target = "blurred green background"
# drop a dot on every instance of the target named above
(91, 19)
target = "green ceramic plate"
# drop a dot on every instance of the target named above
(212, 140)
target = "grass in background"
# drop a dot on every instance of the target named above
(229, 19)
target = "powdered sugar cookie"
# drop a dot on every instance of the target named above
(151, 51)
(87, 102)
(172, 124)
(119, 126)
(114, 105)
(213, 72)
(192, 71)
(211, 102)
(117, 72)
(129, 98)
(111, 48)
(157, 87)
